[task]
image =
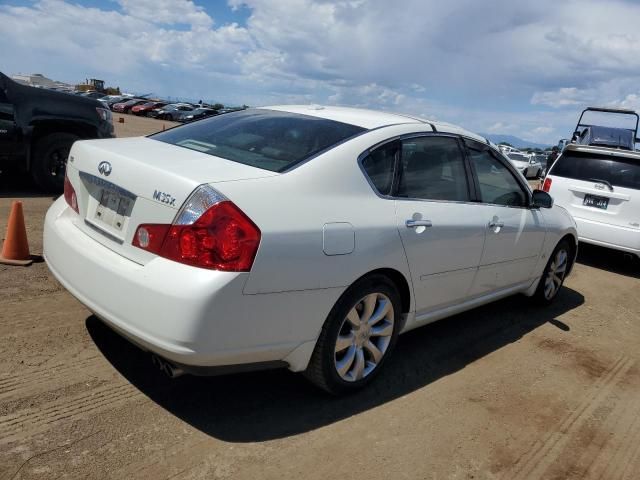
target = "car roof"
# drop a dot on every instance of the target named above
(606, 150)
(370, 119)
(359, 117)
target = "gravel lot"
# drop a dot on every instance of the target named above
(504, 391)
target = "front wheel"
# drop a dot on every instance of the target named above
(554, 274)
(357, 337)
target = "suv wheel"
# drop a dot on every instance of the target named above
(357, 337)
(49, 160)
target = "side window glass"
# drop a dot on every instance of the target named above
(379, 167)
(432, 168)
(497, 184)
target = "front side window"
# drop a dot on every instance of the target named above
(267, 139)
(379, 166)
(497, 184)
(432, 168)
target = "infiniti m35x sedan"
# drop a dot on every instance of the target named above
(297, 236)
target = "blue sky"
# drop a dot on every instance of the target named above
(520, 68)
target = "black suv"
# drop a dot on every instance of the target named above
(38, 127)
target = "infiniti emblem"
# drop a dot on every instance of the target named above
(104, 168)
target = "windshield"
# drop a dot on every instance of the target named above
(266, 139)
(617, 171)
(518, 157)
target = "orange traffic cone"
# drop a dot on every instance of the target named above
(15, 250)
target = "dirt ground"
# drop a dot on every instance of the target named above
(505, 391)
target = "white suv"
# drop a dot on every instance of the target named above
(600, 187)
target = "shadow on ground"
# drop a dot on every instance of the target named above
(610, 260)
(261, 406)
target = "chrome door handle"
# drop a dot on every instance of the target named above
(493, 224)
(417, 223)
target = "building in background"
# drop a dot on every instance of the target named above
(40, 81)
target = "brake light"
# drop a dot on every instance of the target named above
(70, 194)
(546, 186)
(209, 232)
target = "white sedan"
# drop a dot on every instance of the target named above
(528, 165)
(297, 236)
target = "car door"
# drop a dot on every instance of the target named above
(442, 239)
(514, 232)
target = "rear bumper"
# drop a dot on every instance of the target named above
(190, 316)
(626, 239)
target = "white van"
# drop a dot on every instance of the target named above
(600, 187)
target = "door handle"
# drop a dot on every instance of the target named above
(495, 224)
(417, 223)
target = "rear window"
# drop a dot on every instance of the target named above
(266, 139)
(617, 171)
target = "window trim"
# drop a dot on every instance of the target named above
(468, 143)
(471, 187)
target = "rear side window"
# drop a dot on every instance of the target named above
(266, 139)
(379, 167)
(432, 168)
(617, 171)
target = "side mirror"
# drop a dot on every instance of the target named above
(541, 199)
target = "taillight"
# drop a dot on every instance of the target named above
(70, 194)
(209, 232)
(546, 186)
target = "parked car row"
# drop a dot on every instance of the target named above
(162, 110)
(531, 165)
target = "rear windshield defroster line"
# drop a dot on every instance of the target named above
(267, 139)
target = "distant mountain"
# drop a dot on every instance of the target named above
(513, 140)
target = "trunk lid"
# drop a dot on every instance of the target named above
(122, 183)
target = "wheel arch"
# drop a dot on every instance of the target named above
(42, 129)
(399, 280)
(573, 242)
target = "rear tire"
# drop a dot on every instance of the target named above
(49, 160)
(554, 274)
(357, 337)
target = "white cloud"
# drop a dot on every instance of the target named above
(496, 67)
(561, 97)
(170, 12)
(498, 127)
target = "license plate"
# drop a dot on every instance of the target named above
(113, 209)
(596, 201)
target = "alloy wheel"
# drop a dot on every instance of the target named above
(364, 337)
(555, 275)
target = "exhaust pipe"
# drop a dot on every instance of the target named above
(628, 257)
(167, 368)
